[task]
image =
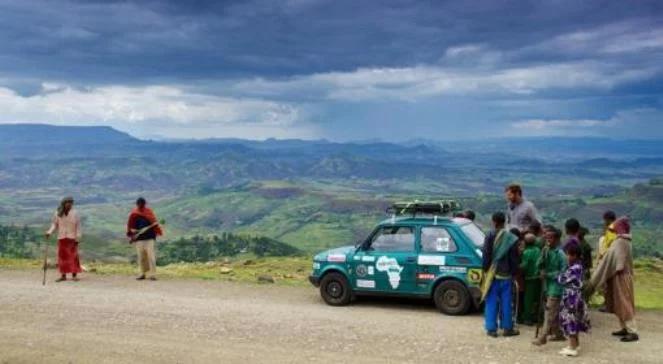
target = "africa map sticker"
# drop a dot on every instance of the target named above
(391, 267)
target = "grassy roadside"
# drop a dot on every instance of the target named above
(290, 271)
(293, 271)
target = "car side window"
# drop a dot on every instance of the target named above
(393, 239)
(436, 240)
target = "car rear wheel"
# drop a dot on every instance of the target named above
(452, 298)
(335, 290)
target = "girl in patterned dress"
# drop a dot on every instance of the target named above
(573, 315)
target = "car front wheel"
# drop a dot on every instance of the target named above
(452, 298)
(335, 290)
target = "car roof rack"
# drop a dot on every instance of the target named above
(436, 208)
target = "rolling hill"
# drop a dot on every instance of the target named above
(311, 194)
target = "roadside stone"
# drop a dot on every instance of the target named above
(225, 270)
(248, 262)
(263, 278)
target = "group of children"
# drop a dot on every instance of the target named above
(547, 272)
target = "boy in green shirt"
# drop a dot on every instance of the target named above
(536, 230)
(551, 263)
(530, 269)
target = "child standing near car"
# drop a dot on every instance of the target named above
(530, 270)
(500, 264)
(573, 316)
(551, 264)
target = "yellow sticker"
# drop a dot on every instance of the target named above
(474, 275)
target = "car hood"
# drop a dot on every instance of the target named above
(344, 250)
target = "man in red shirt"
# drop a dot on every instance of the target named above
(143, 229)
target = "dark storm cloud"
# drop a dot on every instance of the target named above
(109, 41)
(337, 62)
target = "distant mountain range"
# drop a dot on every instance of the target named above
(43, 134)
(532, 147)
(103, 157)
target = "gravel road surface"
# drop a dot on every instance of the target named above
(115, 319)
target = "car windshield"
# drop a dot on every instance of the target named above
(472, 231)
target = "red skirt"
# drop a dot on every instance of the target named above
(68, 261)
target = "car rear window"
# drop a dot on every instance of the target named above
(473, 232)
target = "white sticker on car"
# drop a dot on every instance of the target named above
(443, 244)
(336, 258)
(431, 260)
(365, 283)
(371, 270)
(367, 258)
(453, 270)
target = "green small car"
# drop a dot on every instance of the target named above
(416, 256)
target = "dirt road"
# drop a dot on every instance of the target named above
(119, 320)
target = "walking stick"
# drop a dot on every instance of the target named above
(138, 233)
(516, 303)
(540, 315)
(43, 283)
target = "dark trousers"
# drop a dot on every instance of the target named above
(532, 301)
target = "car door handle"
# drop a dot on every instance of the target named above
(411, 259)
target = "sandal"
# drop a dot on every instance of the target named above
(569, 352)
(630, 337)
(622, 332)
(61, 279)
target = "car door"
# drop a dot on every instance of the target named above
(387, 261)
(437, 256)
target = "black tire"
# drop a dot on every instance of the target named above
(452, 298)
(335, 289)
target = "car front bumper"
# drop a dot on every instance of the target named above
(315, 281)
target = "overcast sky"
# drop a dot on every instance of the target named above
(335, 69)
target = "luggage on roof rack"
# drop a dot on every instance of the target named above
(430, 208)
